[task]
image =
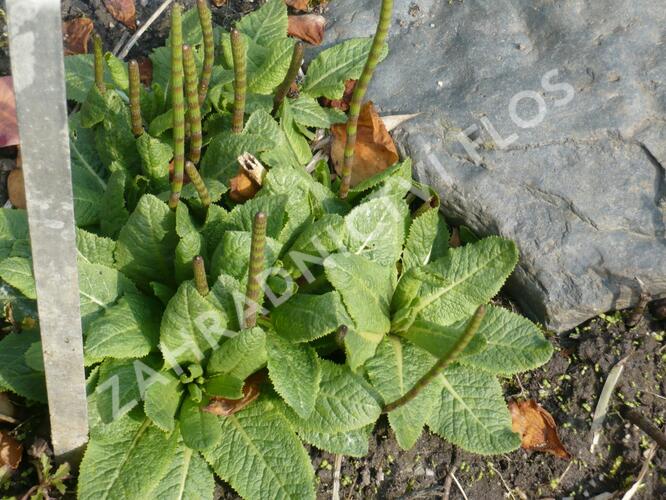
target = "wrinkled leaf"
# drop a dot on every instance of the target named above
(536, 427)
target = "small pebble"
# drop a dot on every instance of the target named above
(432, 25)
(430, 473)
(440, 84)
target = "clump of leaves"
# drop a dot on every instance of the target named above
(219, 337)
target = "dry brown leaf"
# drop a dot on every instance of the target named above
(298, 4)
(309, 28)
(145, 70)
(8, 126)
(225, 407)
(16, 188)
(454, 241)
(375, 150)
(123, 11)
(75, 34)
(10, 451)
(341, 104)
(242, 187)
(536, 427)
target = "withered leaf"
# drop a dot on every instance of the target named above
(536, 427)
(123, 11)
(145, 70)
(298, 4)
(10, 451)
(375, 150)
(224, 407)
(309, 28)
(242, 187)
(341, 104)
(76, 34)
(8, 127)
(16, 188)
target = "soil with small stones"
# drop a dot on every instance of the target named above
(568, 386)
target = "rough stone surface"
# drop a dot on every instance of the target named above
(581, 191)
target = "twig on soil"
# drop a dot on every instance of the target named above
(335, 495)
(119, 44)
(506, 486)
(601, 410)
(455, 480)
(641, 475)
(135, 38)
(559, 479)
(453, 467)
(644, 424)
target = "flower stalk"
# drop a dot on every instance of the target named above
(442, 363)
(256, 269)
(200, 281)
(206, 21)
(98, 52)
(199, 184)
(360, 90)
(238, 51)
(135, 97)
(290, 77)
(193, 109)
(178, 105)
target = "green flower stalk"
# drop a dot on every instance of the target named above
(292, 73)
(98, 52)
(206, 21)
(193, 110)
(360, 90)
(135, 97)
(199, 184)
(238, 52)
(443, 362)
(200, 281)
(178, 104)
(257, 248)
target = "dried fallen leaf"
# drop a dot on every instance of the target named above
(298, 4)
(225, 407)
(123, 11)
(536, 427)
(309, 28)
(375, 150)
(76, 34)
(145, 70)
(10, 451)
(8, 126)
(242, 187)
(341, 104)
(16, 188)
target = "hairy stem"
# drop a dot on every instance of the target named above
(98, 51)
(238, 52)
(206, 21)
(178, 104)
(135, 97)
(360, 90)
(193, 110)
(292, 73)
(253, 290)
(443, 362)
(198, 182)
(200, 281)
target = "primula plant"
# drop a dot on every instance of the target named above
(221, 335)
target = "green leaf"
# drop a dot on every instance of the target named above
(228, 294)
(232, 255)
(15, 374)
(273, 69)
(187, 249)
(308, 317)
(376, 229)
(472, 413)
(240, 356)
(266, 25)
(295, 373)
(297, 144)
(224, 386)
(13, 224)
(428, 233)
(17, 271)
(188, 477)
(513, 344)
(113, 206)
(128, 329)
(130, 465)
(316, 242)
(396, 368)
(155, 157)
(352, 443)
(34, 357)
(220, 159)
(401, 172)
(439, 340)
(242, 216)
(114, 140)
(343, 403)
(80, 76)
(95, 249)
(147, 242)
(328, 72)
(118, 70)
(307, 111)
(200, 429)
(161, 123)
(191, 326)
(99, 287)
(259, 453)
(162, 399)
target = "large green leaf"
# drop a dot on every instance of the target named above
(113, 205)
(155, 157)
(395, 369)
(162, 399)
(232, 255)
(241, 217)
(80, 76)
(15, 374)
(439, 340)
(200, 429)
(118, 391)
(427, 232)
(99, 287)
(308, 317)
(17, 271)
(260, 455)
(295, 373)
(240, 356)
(472, 413)
(266, 25)
(188, 477)
(352, 443)
(307, 111)
(95, 249)
(270, 74)
(129, 466)
(147, 243)
(13, 224)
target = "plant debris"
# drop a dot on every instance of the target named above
(536, 427)
(309, 28)
(11, 451)
(76, 35)
(123, 11)
(8, 125)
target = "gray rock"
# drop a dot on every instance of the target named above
(581, 187)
